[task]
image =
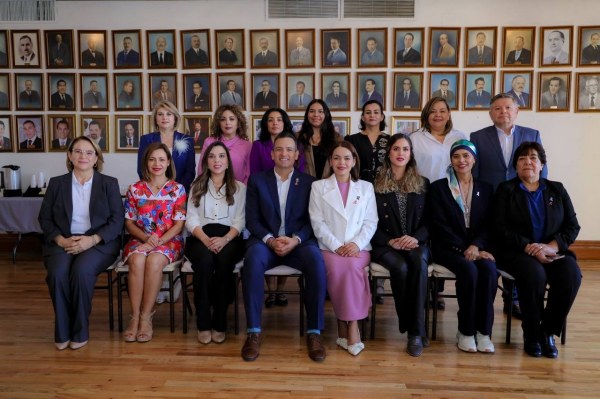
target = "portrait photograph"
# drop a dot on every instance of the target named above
(62, 132)
(480, 46)
(4, 92)
(197, 127)
(26, 49)
(405, 124)
(61, 91)
(195, 47)
(265, 48)
(372, 48)
(589, 46)
(553, 91)
(96, 128)
(409, 47)
(444, 44)
(161, 49)
(196, 88)
(6, 139)
(300, 48)
(341, 125)
(265, 91)
(408, 89)
(445, 85)
(519, 84)
(478, 90)
(370, 86)
(335, 90)
(230, 48)
(29, 88)
(297, 122)
(94, 92)
(232, 89)
(587, 92)
(128, 130)
(59, 48)
(128, 91)
(30, 133)
(162, 87)
(518, 46)
(256, 130)
(300, 90)
(127, 48)
(336, 48)
(4, 49)
(92, 49)
(556, 46)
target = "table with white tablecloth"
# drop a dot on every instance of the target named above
(20, 215)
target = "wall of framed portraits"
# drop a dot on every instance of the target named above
(98, 69)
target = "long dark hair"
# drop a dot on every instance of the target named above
(170, 172)
(382, 124)
(328, 135)
(264, 127)
(199, 186)
(411, 182)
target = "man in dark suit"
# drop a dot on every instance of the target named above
(336, 98)
(195, 56)
(59, 52)
(4, 141)
(407, 97)
(3, 100)
(227, 56)
(60, 99)
(265, 98)
(129, 138)
(519, 55)
(480, 54)
(198, 135)
(128, 57)
(518, 93)
(95, 133)
(92, 57)
(555, 97)
(591, 54)
(3, 59)
(370, 93)
(93, 98)
(61, 132)
(281, 234)
(265, 57)
(161, 57)
(479, 98)
(445, 93)
(199, 99)
(408, 55)
(29, 98)
(32, 141)
(27, 52)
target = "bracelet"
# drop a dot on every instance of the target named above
(226, 237)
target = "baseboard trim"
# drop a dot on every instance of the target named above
(586, 250)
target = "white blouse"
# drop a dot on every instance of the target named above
(433, 157)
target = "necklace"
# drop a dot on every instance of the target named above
(218, 195)
(157, 186)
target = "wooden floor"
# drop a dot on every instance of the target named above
(177, 366)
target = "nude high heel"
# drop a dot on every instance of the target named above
(145, 332)
(132, 329)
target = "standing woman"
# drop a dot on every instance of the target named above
(81, 218)
(460, 227)
(400, 243)
(215, 219)
(155, 215)
(343, 214)
(166, 119)
(229, 126)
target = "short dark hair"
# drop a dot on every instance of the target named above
(63, 122)
(157, 145)
(525, 148)
(479, 79)
(287, 135)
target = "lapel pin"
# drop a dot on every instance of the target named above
(297, 181)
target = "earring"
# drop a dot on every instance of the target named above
(95, 165)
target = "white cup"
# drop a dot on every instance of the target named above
(33, 183)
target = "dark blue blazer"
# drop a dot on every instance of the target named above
(133, 59)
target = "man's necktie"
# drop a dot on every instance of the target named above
(30, 143)
(405, 52)
(444, 94)
(301, 104)
(440, 52)
(554, 100)
(62, 97)
(406, 96)
(164, 96)
(592, 103)
(521, 101)
(196, 99)
(478, 94)
(160, 59)
(233, 96)
(129, 142)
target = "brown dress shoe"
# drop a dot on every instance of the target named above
(251, 348)
(316, 350)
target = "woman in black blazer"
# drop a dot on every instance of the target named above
(81, 218)
(535, 223)
(400, 242)
(460, 222)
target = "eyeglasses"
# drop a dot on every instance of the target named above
(87, 154)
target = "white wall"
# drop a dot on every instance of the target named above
(572, 140)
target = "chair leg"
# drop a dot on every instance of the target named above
(510, 289)
(171, 302)
(120, 289)
(109, 282)
(434, 295)
(563, 335)
(427, 302)
(373, 305)
(184, 301)
(301, 285)
(236, 307)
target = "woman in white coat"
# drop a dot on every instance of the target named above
(343, 214)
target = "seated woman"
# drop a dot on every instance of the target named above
(81, 218)
(460, 222)
(215, 219)
(155, 215)
(343, 216)
(535, 223)
(400, 242)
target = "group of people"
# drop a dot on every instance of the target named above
(327, 207)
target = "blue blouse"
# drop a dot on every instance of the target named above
(537, 210)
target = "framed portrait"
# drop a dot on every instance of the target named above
(128, 130)
(297, 122)
(587, 92)
(30, 133)
(94, 92)
(479, 88)
(232, 89)
(405, 124)
(556, 46)
(26, 49)
(230, 48)
(4, 49)
(336, 46)
(519, 85)
(409, 47)
(372, 48)
(300, 48)
(589, 46)
(196, 89)
(161, 49)
(5, 92)
(264, 44)
(341, 125)
(61, 91)
(62, 132)
(59, 48)
(518, 46)
(443, 46)
(300, 89)
(129, 91)
(197, 127)
(480, 46)
(127, 48)
(30, 91)
(335, 90)
(92, 49)
(370, 86)
(162, 87)
(445, 85)
(195, 47)
(265, 91)
(408, 90)
(96, 128)
(553, 91)
(6, 139)
(256, 129)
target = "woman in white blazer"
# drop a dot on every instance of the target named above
(343, 215)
